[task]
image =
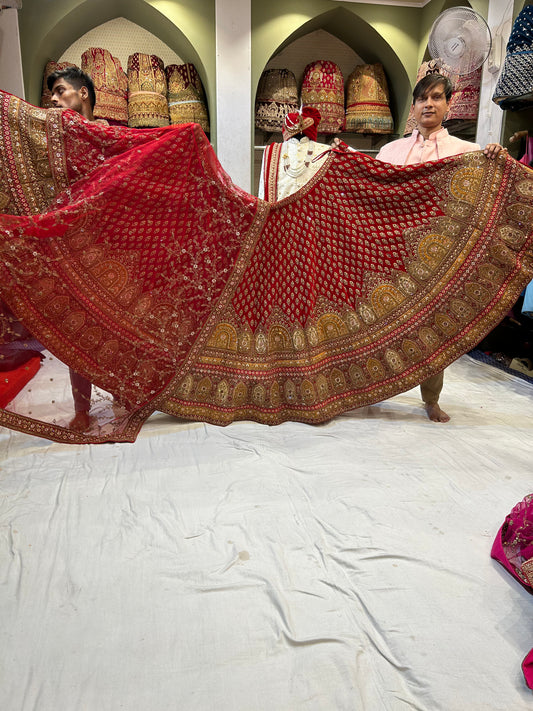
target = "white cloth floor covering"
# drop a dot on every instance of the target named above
(341, 567)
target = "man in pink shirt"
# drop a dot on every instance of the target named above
(430, 141)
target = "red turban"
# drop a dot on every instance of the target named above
(306, 121)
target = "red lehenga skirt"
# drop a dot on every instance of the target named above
(134, 260)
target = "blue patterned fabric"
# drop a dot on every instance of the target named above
(514, 89)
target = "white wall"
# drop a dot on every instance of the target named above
(233, 89)
(10, 58)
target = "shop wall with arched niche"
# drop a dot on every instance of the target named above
(183, 31)
(348, 40)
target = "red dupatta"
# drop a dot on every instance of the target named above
(171, 289)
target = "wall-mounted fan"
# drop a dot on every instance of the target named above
(460, 40)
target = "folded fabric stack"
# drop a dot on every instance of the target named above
(147, 91)
(186, 98)
(110, 84)
(367, 99)
(514, 89)
(323, 89)
(464, 104)
(277, 95)
(50, 68)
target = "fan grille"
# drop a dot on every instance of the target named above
(460, 40)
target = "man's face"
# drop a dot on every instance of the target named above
(431, 109)
(65, 96)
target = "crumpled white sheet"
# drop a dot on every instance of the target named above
(336, 567)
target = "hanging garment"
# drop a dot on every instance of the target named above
(50, 68)
(514, 89)
(464, 104)
(288, 166)
(277, 95)
(367, 100)
(513, 548)
(186, 98)
(171, 289)
(323, 89)
(147, 91)
(110, 84)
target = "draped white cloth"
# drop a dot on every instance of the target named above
(335, 567)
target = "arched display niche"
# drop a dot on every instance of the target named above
(46, 32)
(367, 43)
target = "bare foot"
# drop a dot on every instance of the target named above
(80, 422)
(435, 413)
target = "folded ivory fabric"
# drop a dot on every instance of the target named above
(147, 91)
(171, 289)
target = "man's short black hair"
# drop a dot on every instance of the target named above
(426, 84)
(76, 78)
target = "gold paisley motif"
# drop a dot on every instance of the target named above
(245, 341)
(222, 392)
(478, 293)
(521, 213)
(290, 391)
(57, 306)
(446, 324)
(466, 182)
(386, 298)
(279, 340)
(338, 381)
(329, 327)
(258, 394)
(111, 275)
(419, 271)
(224, 337)
(357, 375)
(367, 314)
(90, 338)
(298, 339)
(73, 322)
(406, 284)
(489, 272)
(203, 389)
(462, 309)
(513, 237)
(351, 320)
(186, 386)
(525, 187)
(261, 343)
(434, 248)
(308, 392)
(428, 337)
(394, 360)
(312, 335)
(322, 386)
(375, 369)
(240, 394)
(411, 350)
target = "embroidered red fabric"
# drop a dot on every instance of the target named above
(170, 289)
